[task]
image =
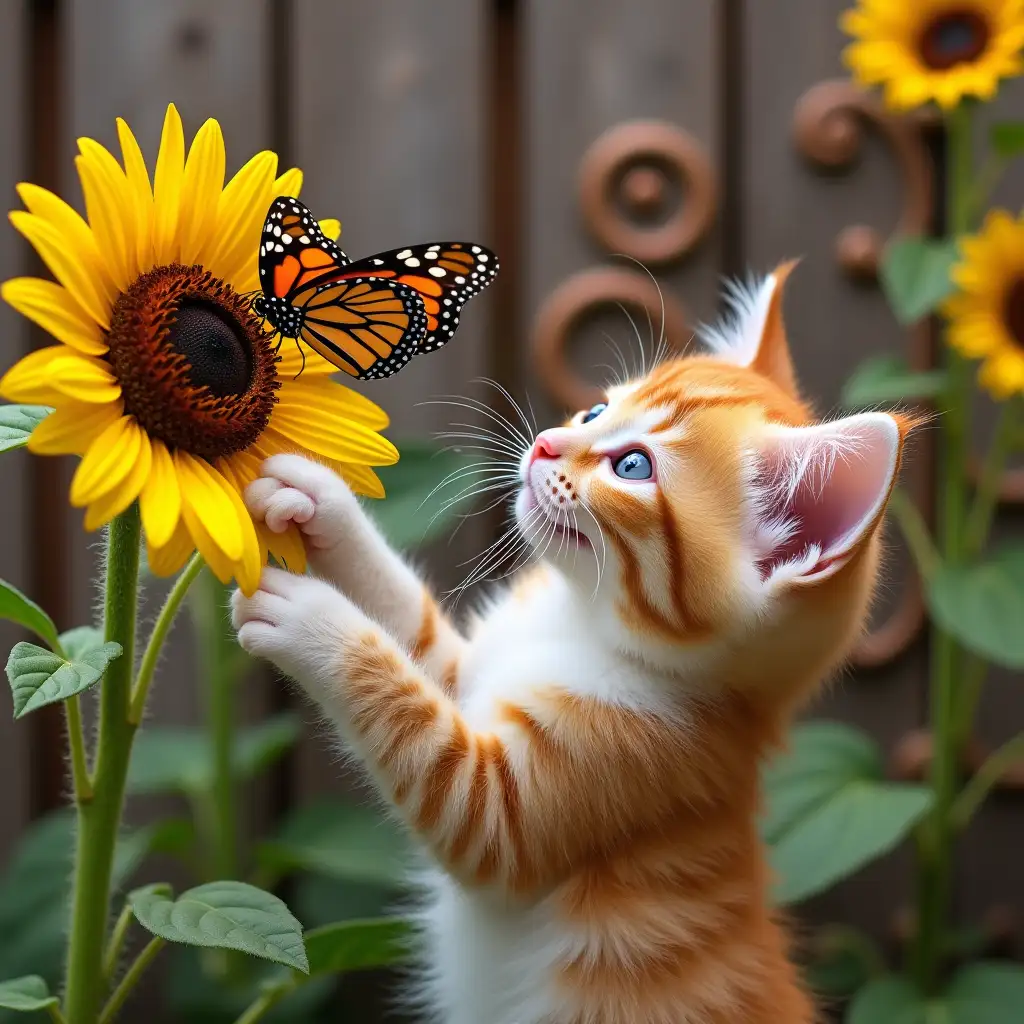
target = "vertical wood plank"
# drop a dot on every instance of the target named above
(14, 468)
(790, 209)
(387, 121)
(590, 67)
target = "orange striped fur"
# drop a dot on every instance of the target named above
(582, 768)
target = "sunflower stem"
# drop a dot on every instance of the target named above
(81, 779)
(156, 640)
(99, 818)
(131, 979)
(936, 835)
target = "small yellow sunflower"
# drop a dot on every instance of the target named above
(941, 50)
(164, 381)
(986, 314)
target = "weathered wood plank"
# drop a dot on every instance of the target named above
(791, 208)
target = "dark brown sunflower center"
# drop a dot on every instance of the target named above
(953, 37)
(1013, 311)
(196, 368)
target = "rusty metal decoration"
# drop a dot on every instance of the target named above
(629, 173)
(829, 124)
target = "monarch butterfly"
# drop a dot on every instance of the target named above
(368, 318)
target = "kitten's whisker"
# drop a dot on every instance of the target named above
(471, 493)
(484, 469)
(614, 346)
(474, 406)
(639, 341)
(497, 444)
(515, 405)
(493, 554)
(604, 548)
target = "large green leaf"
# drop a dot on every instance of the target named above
(26, 994)
(889, 1000)
(225, 915)
(167, 759)
(1007, 138)
(339, 840)
(410, 515)
(982, 605)
(358, 945)
(830, 810)
(16, 607)
(17, 422)
(39, 677)
(915, 275)
(889, 379)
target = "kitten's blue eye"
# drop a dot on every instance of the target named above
(634, 466)
(594, 412)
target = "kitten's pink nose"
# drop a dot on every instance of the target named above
(545, 447)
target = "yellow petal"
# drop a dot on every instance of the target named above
(296, 360)
(160, 500)
(361, 479)
(28, 380)
(289, 184)
(118, 498)
(108, 461)
(53, 308)
(110, 209)
(81, 280)
(241, 210)
(328, 399)
(71, 429)
(249, 567)
(201, 186)
(288, 548)
(141, 191)
(77, 239)
(331, 228)
(168, 559)
(204, 502)
(336, 438)
(170, 168)
(88, 380)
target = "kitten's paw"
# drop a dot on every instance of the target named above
(293, 489)
(298, 623)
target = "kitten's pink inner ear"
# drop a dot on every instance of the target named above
(824, 488)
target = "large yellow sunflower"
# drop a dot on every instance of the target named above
(987, 312)
(941, 50)
(163, 380)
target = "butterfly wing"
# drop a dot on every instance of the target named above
(294, 252)
(367, 327)
(444, 274)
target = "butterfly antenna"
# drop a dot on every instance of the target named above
(302, 353)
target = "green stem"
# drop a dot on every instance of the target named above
(260, 1007)
(973, 672)
(987, 497)
(117, 937)
(935, 838)
(76, 741)
(915, 532)
(159, 635)
(973, 794)
(99, 819)
(55, 1015)
(131, 979)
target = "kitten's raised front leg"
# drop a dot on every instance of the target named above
(345, 547)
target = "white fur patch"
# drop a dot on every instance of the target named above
(736, 337)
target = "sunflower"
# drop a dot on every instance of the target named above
(941, 50)
(986, 314)
(163, 380)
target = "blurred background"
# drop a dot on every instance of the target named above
(699, 137)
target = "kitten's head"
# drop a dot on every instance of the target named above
(736, 532)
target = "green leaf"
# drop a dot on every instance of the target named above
(259, 746)
(986, 993)
(830, 811)
(341, 841)
(1007, 138)
(39, 677)
(888, 1000)
(358, 945)
(17, 422)
(75, 642)
(889, 379)
(915, 275)
(410, 515)
(982, 605)
(225, 915)
(28, 994)
(16, 607)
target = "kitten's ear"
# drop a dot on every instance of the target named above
(820, 493)
(754, 335)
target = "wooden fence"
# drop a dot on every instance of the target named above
(700, 137)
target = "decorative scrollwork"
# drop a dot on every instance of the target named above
(579, 296)
(628, 178)
(828, 129)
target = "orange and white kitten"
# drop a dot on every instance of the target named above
(581, 766)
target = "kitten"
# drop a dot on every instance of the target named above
(582, 765)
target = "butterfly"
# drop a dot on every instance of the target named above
(368, 318)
